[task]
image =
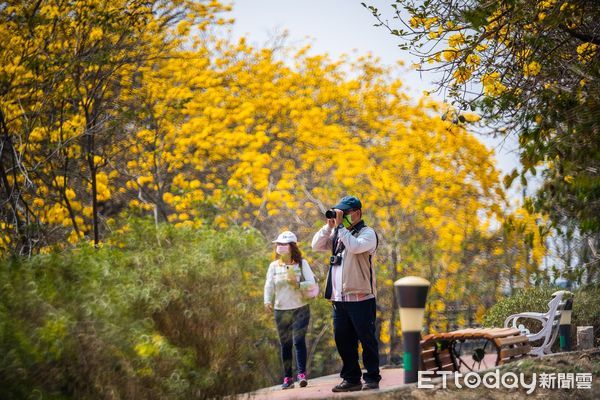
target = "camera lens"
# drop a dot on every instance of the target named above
(329, 214)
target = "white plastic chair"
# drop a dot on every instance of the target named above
(550, 321)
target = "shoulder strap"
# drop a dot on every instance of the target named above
(358, 227)
(301, 268)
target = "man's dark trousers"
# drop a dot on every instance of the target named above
(354, 321)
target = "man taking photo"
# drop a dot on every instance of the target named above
(352, 291)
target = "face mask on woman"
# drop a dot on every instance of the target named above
(283, 249)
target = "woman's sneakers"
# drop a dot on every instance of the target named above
(302, 380)
(288, 383)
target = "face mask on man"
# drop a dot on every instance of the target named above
(347, 221)
(283, 249)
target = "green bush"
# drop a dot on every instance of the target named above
(175, 313)
(586, 308)
(533, 299)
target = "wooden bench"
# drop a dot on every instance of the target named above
(443, 351)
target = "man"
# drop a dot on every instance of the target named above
(351, 288)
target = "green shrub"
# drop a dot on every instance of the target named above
(586, 308)
(533, 299)
(173, 314)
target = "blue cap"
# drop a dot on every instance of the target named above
(348, 203)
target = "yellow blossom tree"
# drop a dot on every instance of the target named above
(531, 68)
(65, 72)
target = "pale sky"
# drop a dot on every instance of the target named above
(337, 27)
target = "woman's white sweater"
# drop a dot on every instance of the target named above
(287, 294)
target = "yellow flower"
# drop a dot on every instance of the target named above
(415, 22)
(532, 69)
(450, 54)
(524, 54)
(566, 5)
(472, 59)
(471, 117)
(184, 216)
(586, 51)
(491, 84)
(73, 237)
(183, 28)
(149, 347)
(433, 35)
(37, 134)
(70, 194)
(461, 75)
(456, 40)
(545, 4)
(96, 33)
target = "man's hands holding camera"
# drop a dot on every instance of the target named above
(333, 222)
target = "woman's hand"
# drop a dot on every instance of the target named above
(269, 308)
(291, 277)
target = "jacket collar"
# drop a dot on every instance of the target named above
(357, 228)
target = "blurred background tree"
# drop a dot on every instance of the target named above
(530, 68)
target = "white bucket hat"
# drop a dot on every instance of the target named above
(286, 237)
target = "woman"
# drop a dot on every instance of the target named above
(291, 309)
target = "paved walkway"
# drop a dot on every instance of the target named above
(318, 388)
(321, 387)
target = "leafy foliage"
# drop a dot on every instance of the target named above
(532, 69)
(174, 314)
(531, 299)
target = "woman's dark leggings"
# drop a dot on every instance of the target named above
(292, 326)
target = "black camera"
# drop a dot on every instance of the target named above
(335, 260)
(330, 214)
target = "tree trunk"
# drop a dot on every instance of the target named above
(90, 132)
(395, 338)
(13, 192)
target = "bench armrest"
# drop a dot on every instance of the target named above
(531, 315)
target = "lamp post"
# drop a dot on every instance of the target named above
(564, 326)
(411, 293)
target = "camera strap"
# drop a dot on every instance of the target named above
(328, 285)
(335, 249)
